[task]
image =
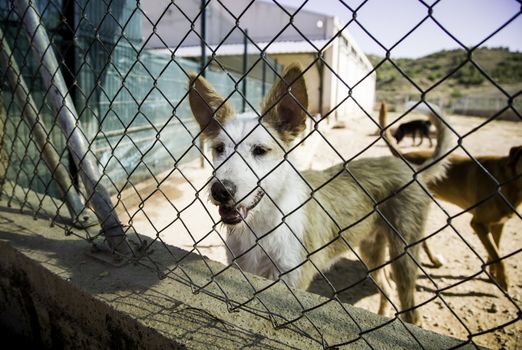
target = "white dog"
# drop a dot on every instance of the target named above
(282, 224)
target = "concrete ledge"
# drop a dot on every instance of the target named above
(49, 312)
(53, 291)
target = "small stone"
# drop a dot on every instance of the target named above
(492, 309)
(104, 274)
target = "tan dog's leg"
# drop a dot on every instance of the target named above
(497, 269)
(496, 231)
(436, 260)
(404, 272)
(373, 254)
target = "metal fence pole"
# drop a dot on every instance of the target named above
(40, 134)
(67, 117)
(70, 73)
(245, 67)
(263, 78)
(203, 62)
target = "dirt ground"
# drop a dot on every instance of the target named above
(176, 211)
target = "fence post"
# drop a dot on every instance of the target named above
(67, 117)
(320, 66)
(40, 134)
(203, 38)
(70, 73)
(245, 67)
(203, 63)
(263, 78)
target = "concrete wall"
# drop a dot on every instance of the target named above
(47, 312)
(56, 292)
(352, 71)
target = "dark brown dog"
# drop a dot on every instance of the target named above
(469, 186)
(422, 127)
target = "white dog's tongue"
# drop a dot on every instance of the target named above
(243, 212)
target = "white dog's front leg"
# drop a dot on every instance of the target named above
(292, 278)
(285, 255)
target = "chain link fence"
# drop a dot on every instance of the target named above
(98, 133)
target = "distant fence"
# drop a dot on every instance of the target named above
(90, 112)
(474, 106)
(486, 107)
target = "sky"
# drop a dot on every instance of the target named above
(468, 21)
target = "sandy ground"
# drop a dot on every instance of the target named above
(175, 210)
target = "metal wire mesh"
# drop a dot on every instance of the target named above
(128, 78)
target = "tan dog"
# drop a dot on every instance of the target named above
(288, 225)
(466, 184)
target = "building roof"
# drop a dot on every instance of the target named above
(230, 20)
(277, 47)
(173, 24)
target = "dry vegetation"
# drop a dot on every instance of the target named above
(449, 76)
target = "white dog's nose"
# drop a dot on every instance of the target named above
(223, 191)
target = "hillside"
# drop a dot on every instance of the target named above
(464, 79)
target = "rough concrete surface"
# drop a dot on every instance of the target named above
(55, 291)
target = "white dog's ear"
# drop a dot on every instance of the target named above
(209, 109)
(284, 108)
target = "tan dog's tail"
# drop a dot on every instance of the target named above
(386, 131)
(435, 166)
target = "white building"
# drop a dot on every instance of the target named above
(283, 36)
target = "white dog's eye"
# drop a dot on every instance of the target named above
(259, 150)
(219, 148)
